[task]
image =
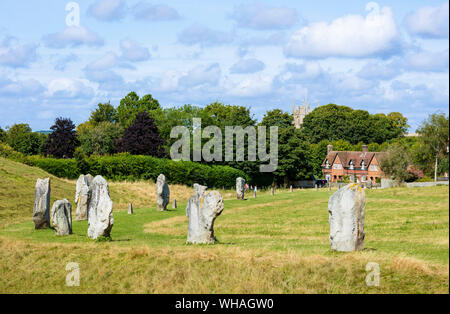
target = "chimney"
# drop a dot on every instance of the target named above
(330, 148)
(365, 149)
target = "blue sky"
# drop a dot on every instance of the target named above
(379, 56)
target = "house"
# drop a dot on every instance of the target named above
(358, 166)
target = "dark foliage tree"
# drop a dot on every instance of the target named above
(2, 135)
(142, 137)
(62, 142)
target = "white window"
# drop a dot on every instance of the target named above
(363, 165)
(373, 168)
(351, 165)
(337, 166)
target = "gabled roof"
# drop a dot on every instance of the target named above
(346, 157)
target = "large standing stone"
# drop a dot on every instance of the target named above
(240, 188)
(41, 209)
(61, 214)
(162, 193)
(202, 210)
(83, 196)
(100, 216)
(347, 211)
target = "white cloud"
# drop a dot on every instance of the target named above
(107, 61)
(426, 61)
(348, 36)
(20, 88)
(379, 70)
(68, 88)
(252, 87)
(204, 36)
(259, 17)
(73, 36)
(247, 66)
(132, 51)
(201, 75)
(155, 13)
(429, 21)
(108, 10)
(14, 54)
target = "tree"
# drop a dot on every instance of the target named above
(2, 135)
(398, 122)
(61, 143)
(104, 113)
(395, 163)
(277, 118)
(21, 138)
(100, 140)
(333, 122)
(433, 143)
(142, 137)
(131, 105)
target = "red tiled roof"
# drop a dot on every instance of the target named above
(346, 157)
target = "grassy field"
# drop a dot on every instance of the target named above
(271, 244)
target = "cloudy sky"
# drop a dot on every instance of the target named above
(380, 56)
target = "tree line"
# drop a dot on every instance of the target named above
(140, 126)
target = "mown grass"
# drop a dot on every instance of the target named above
(271, 244)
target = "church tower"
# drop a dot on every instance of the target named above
(300, 113)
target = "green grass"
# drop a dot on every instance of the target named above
(271, 244)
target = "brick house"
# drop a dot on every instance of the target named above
(358, 166)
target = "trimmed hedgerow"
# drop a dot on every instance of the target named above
(135, 167)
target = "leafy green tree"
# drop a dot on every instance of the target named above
(227, 115)
(433, 144)
(131, 105)
(328, 122)
(395, 163)
(100, 140)
(62, 142)
(399, 123)
(21, 138)
(333, 122)
(277, 118)
(142, 137)
(104, 113)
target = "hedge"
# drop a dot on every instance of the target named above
(122, 167)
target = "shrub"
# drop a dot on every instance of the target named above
(6, 151)
(62, 168)
(128, 167)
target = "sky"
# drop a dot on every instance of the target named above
(61, 58)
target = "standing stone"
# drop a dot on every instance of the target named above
(291, 189)
(202, 210)
(41, 209)
(61, 214)
(272, 191)
(130, 209)
(174, 205)
(316, 187)
(240, 188)
(83, 196)
(347, 210)
(162, 193)
(100, 217)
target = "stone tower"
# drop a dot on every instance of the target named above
(300, 113)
